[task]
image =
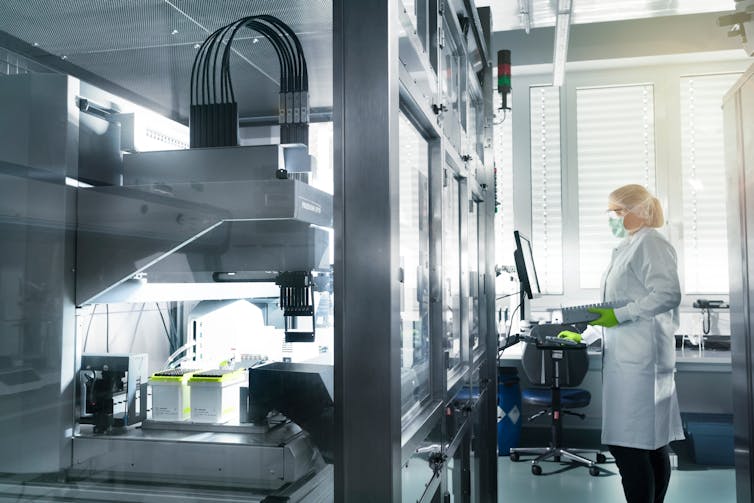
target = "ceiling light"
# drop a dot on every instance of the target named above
(174, 32)
(196, 46)
(524, 10)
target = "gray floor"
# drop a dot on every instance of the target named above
(563, 483)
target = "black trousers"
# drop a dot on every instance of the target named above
(644, 474)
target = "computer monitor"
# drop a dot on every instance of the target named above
(527, 274)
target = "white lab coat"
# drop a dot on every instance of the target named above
(639, 402)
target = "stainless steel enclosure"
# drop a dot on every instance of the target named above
(37, 260)
(178, 218)
(392, 64)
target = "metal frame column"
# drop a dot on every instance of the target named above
(367, 360)
(738, 166)
(488, 372)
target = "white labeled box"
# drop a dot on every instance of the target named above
(215, 395)
(171, 398)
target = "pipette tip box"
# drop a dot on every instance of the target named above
(215, 395)
(171, 399)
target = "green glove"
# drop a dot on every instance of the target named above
(607, 316)
(567, 334)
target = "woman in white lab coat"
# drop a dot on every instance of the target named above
(640, 414)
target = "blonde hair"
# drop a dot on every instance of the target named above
(636, 199)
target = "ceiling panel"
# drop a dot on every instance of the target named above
(66, 28)
(148, 46)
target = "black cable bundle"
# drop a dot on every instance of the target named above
(214, 111)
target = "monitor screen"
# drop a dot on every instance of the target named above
(527, 274)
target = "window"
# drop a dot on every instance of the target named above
(546, 211)
(503, 154)
(704, 208)
(615, 147)
(450, 85)
(414, 256)
(451, 258)
(321, 147)
(451, 247)
(473, 270)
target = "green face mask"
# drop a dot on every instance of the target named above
(616, 227)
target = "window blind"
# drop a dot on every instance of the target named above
(546, 208)
(615, 147)
(705, 242)
(503, 151)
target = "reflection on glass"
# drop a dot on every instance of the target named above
(418, 16)
(475, 129)
(451, 89)
(480, 307)
(452, 268)
(471, 128)
(473, 275)
(321, 148)
(414, 259)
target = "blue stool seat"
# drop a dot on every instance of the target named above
(572, 398)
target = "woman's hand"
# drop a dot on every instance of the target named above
(568, 334)
(607, 317)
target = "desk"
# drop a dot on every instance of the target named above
(703, 383)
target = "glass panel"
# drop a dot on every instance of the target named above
(473, 247)
(414, 260)
(479, 128)
(481, 267)
(471, 121)
(452, 271)
(409, 6)
(416, 10)
(79, 400)
(451, 89)
(321, 148)
(36, 327)
(474, 131)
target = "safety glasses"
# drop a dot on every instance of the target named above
(620, 212)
